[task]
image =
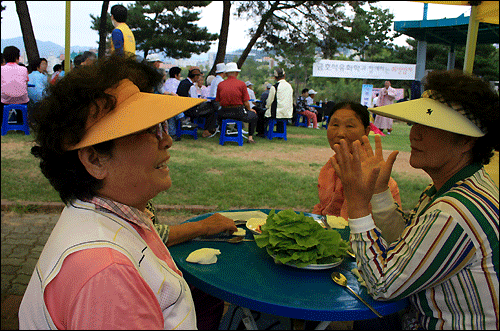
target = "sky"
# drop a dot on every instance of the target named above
(48, 20)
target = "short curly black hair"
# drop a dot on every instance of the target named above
(59, 120)
(475, 95)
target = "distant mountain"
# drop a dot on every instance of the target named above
(45, 48)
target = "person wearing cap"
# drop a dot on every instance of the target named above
(279, 104)
(310, 97)
(122, 38)
(310, 102)
(265, 94)
(443, 254)
(304, 109)
(220, 75)
(154, 59)
(105, 266)
(206, 109)
(232, 95)
(387, 96)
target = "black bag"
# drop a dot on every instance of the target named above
(203, 109)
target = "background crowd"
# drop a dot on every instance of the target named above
(108, 158)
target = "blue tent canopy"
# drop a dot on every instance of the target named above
(447, 31)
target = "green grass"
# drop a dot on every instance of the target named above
(226, 177)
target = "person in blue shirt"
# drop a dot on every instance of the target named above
(39, 78)
(122, 38)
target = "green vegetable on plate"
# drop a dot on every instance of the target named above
(296, 239)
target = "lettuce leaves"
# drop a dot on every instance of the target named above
(299, 240)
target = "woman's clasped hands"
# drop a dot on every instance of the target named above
(363, 172)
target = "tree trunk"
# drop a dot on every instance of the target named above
(27, 30)
(102, 30)
(224, 31)
(257, 34)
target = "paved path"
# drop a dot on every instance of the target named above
(23, 238)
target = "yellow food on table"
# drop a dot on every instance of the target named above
(203, 256)
(240, 232)
(336, 222)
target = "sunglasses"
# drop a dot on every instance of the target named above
(158, 130)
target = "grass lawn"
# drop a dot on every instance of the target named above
(270, 174)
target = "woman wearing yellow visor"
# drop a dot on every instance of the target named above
(102, 140)
(444, 254)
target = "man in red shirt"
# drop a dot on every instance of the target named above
(232, 96)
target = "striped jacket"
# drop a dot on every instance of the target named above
(446, 260)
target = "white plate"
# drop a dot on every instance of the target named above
(315, 266)
(253, 224)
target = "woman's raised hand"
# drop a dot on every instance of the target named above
(362, 172)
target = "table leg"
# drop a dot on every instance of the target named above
(248, 319)
(322, 325)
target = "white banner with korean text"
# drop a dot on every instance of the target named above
(365, 70)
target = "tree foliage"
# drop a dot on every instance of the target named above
(283, 22)
(166, 26)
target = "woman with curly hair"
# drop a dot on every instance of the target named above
(445, 255)
(102, 141)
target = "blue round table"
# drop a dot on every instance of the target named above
(245, 275)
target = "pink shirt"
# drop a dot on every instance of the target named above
(331, 193)
(14, 84)
(103, 290)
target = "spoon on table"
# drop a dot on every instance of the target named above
(350, 253)
(342, 281)
(233, 240)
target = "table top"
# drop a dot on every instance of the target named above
(247, 276)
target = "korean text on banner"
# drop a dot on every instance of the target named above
(366, 70)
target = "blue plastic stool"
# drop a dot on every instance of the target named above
(13, 127)
(180, 131)
(325, 119)
(224, 137)
(270, 131)
(298, 118)
(200, 121)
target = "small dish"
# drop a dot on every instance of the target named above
(253, 224)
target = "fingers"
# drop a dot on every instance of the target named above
(391, 159)
(367, 148)
(378, 147)
(372, 179)
(335, 165)
(357, 150)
